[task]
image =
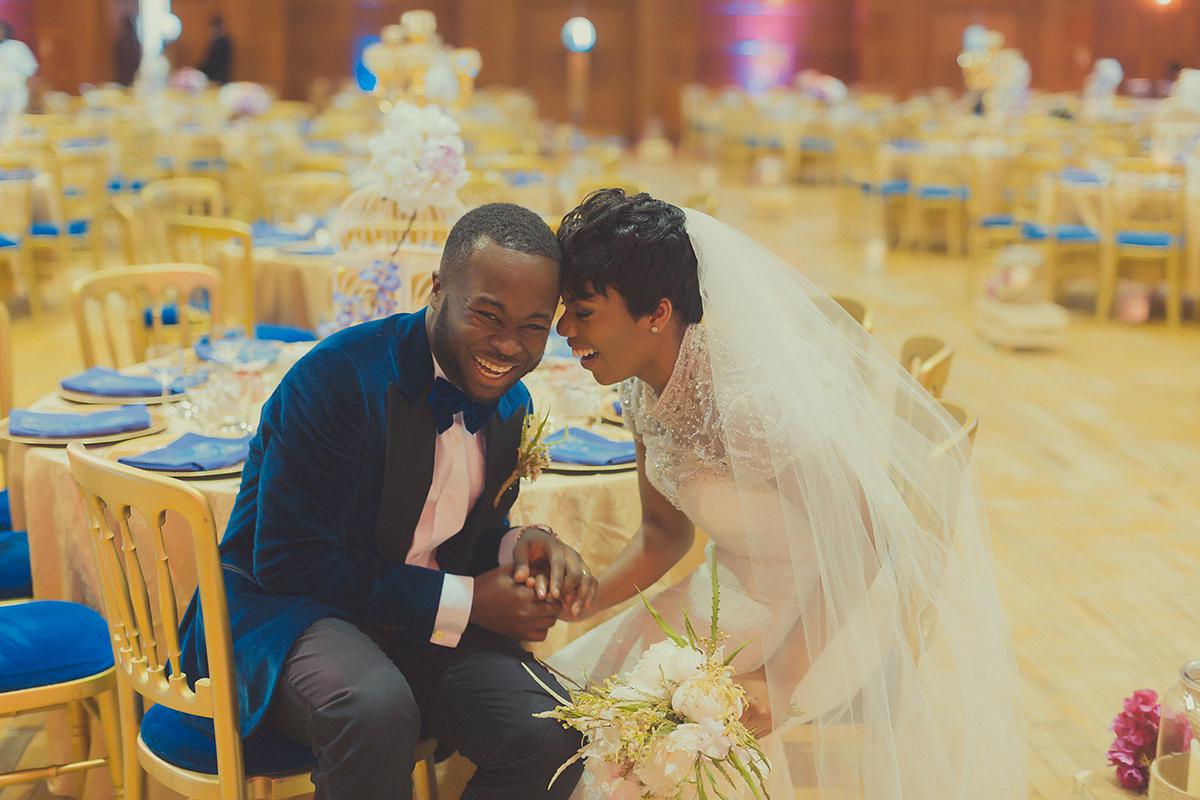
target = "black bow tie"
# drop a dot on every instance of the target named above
(446, 400)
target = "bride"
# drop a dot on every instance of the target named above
(838, 497)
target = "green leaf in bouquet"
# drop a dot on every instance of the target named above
(662, 623)
(746, 775)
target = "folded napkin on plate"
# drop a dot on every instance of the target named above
(106, 382)
(193, 453)
(590, 449)
(252, 350)
(59, 425)
(308, 249)
(267, 234)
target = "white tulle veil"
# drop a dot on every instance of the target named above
(894, 673)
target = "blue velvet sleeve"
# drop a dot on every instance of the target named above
(318, 487)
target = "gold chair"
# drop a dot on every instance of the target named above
(16, 216)
(203, 197)
(225, 245)
(1147, 206)
(118, 222)
(927, 358)
(856, 309)
(967, 420)
(287, 198)
(61, 657)
(937, 184)
(143, 620)
(120, 310)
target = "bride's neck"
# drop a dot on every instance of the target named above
(663, 357)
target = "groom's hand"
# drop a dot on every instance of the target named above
(504, 606)
(554, 570)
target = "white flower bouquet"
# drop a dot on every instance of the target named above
(670, 727)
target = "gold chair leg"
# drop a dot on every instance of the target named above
(1174, 300)
(110, 728)
(1108, 284)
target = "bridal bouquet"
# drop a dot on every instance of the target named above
(668, 728)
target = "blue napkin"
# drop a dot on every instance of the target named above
(313, 250)
(617, 408)
(252, 350)
(193, 453)
(590, 449)
(106, 382)
(53, 424)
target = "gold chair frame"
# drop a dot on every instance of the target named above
(140, 287)
(144, 624)
(226, 245)
(927, 358)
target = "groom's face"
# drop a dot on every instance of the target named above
(491, 317)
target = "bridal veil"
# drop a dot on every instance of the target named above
(892, 675)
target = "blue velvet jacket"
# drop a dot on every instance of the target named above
(338, 474)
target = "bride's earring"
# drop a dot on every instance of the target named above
(654, 329)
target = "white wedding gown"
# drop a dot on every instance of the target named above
(771, 577)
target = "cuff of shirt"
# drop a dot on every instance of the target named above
(506, 545)
(454, 610)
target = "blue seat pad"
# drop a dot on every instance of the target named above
(16, 577)
(934, 191)
(9, 241)
(5, 511)
(76, 227)
(1145, 238)
(997, 220)
(44, 642)
(187, 741)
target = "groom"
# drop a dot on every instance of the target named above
(376, 591)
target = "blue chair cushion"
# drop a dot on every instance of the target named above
(16, 578)
(170, 313)
(283, 333)
(997, 220)
(187, 741)
(816, 144)
(1033, 231)
(934, 192)
(1076, 233)
(890, 188)
(44, 642)
(5, 512)
(8, 241)
(1145, 238)
(76, 227)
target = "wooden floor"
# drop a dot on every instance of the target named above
(1089, 457)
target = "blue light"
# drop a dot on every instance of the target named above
(579, 35)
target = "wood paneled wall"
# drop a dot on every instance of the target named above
(646, 49)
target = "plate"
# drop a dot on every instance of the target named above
(158, 422)
(606, 413)
(136, 448)
(107, 400)
(588, 469)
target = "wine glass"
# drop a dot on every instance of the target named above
(228, 341)
(165, 362)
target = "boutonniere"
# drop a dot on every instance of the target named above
(533, 454)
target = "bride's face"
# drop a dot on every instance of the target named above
(606, 339)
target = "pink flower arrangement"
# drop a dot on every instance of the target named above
(1133, 750)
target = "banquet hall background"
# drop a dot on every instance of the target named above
(795, 121)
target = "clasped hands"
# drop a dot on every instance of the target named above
(546, 581)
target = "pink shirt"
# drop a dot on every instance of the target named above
(457, 484)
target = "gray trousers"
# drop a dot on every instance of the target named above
(362, 711)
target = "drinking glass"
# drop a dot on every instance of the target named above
(228, 340)
(165, 362)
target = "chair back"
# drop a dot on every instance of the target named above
(120, 222)
(16, 198)
(927, 358)
(1148, 197)
(6, 362)
(226, 245)
(111, 307)
(137, 560)
(856, 309)
(197, 196)
(287, 198)
(967, 421)
(82, 176)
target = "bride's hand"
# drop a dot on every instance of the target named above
(756, 716)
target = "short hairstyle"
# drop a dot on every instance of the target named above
(507, 225)
(638, 246)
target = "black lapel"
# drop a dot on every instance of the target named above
(407, 471)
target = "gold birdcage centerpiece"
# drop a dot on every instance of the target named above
(391, 231)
